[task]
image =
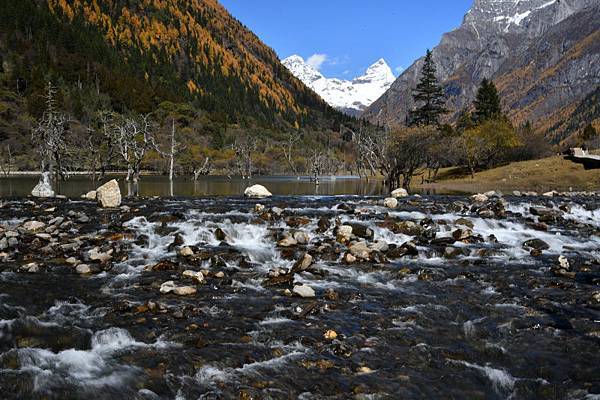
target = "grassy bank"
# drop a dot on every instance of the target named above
(553, 173)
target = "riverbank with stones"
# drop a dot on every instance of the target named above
(483, 297)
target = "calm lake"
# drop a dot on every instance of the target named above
(19, 186)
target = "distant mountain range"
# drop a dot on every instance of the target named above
(544, 56)
(350, 96)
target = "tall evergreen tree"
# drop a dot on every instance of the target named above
(589, 132)
(487, 102)
(429, 94)
(464, 121)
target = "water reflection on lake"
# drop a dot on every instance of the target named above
(205, 186)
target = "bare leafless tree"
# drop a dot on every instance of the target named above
(175, 148)
(288, 148)
(318, 164)
(6, 160)
(49, 136)
(133, 138)
(203, 169)
(244, 146)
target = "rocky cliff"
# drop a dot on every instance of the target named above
(544, 56)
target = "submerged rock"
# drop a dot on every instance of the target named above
(536, 244)
(109, 194)
(408, 228)
(362, 231)
(257, 192)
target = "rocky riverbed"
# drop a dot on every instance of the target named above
(301, 297)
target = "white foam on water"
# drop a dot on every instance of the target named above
(210, 375)
(93, 367)
(500, 379)
(275, 321)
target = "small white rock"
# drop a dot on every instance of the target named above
(197, 276)
(479, 198)
(399, 193)
(257, 192)
(390, 202)
(186, 251)
(304, 291)
(564, 262)
(83, 269)
(167, 287)
(33, 225)
(185, 290)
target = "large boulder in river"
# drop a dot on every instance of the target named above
(257, 192)
(43, 188)
(399, 193)
(109, 194)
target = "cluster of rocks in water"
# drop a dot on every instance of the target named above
(50, 235)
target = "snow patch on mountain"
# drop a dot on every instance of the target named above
(508, 13)
(352, 96)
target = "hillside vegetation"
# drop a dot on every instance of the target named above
(188, 60)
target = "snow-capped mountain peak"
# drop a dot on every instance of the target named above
(350, 96)
(302, 70)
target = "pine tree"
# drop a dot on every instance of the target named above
(429, 94)
(465, 121)
(487, 102)
(589, 132)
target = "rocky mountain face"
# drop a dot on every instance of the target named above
(349, 96)
(544, 56)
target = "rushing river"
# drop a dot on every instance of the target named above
(439, 297)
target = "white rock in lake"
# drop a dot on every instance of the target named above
(303, 291)
(390, 202)
(43, 188)
(109, 194)
(399, 193)
(91, 195)
(257, 192)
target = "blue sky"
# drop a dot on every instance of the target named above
(346, 36)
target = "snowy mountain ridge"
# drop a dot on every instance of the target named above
(349, 96)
